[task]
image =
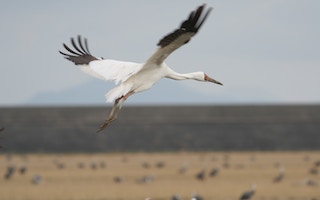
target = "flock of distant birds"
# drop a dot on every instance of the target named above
(11, 169)
(201, 175)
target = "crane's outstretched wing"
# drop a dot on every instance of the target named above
(180, 36)
(100, 68)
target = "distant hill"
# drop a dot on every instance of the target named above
(161, 128)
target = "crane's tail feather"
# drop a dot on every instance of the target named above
(117, 92)
(81, 54)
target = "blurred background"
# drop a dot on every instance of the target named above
(259, 133)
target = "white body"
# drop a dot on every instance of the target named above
(134, 77)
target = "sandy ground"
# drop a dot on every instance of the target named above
(135, 176)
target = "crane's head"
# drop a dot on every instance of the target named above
(209, 79)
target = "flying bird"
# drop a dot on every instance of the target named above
(131, 77)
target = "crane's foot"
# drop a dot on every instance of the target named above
(106, 123)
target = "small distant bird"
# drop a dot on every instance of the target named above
(314, 170)
(61, 165)
(160, 164)
(183, 168)
(146, 179)
(94, 166)
(135, 77)
(102, 164)
(124, 159)
(214, 171)
(176, 197)
(280, 176)
(248, 194)
(10, 171)
(196, 197)
(145, 165)
(306, 158)
(118, 179)
(36, 179)
(310, 182)
(201, 175)
(253, 158)
(317, 163)
(81, 165)
(226, 161)
(23, 169)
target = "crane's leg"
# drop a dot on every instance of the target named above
(124, 98)
(115, 110)
(111, 115)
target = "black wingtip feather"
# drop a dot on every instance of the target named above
(204, 18)
(70, 50)
(79, 56)
(192, 25)
(81, 46)
(86, 45)
(76, 47)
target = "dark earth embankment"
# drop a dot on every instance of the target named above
(161, 128)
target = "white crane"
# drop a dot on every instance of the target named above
(136, 77)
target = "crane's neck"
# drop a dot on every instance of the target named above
(199, 76)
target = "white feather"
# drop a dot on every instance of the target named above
(118, 91)
(88, 70)
(113, 70)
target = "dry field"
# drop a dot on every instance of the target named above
(92, 176)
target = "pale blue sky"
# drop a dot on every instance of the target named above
(263, 51)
